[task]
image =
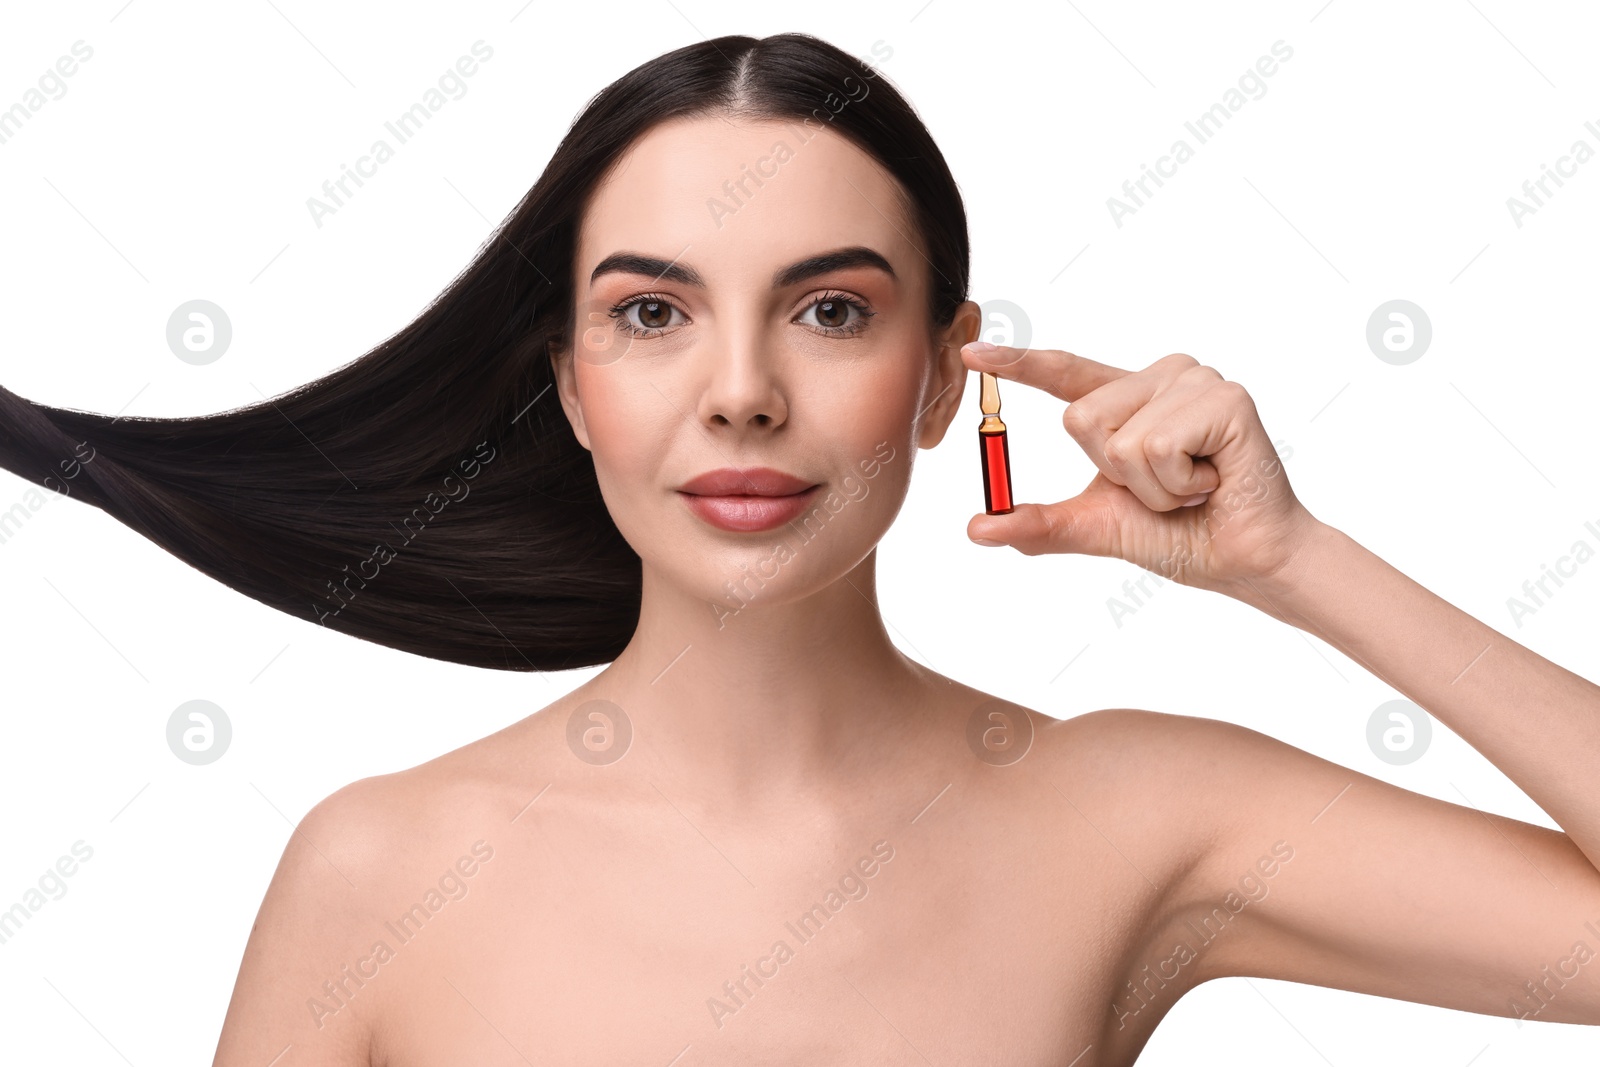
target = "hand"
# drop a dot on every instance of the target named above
(1160, 436)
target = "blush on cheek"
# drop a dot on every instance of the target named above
(884, 402)
(613, 406)
(632, 432)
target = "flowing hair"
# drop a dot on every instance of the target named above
(430, 495)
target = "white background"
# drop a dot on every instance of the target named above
(1376, 166)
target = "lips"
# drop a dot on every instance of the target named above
(747, 501)
(752, 481)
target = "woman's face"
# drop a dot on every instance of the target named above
(728, 342)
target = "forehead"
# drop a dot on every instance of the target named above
(737, 197)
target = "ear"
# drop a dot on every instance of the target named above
(562, 365)
(949, 373)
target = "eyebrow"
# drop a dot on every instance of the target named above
(794, 273)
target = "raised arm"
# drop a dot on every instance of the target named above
(1535, 720)
(1395, 893)
(1384, 891)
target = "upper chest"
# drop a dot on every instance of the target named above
(961, 935)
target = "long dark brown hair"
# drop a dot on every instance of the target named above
(430, 495)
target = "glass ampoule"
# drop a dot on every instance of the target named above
(992, 448)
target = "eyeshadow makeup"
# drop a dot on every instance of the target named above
(992, 448)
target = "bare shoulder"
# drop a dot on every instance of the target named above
(1146, 727)
(1231, 806)
(378, 824)
(1167, 786)
(1188, 770)
(368, 853)
(1139, 742)
(1113, 745)
(1211, 773)
(308, 927)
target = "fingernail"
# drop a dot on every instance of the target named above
(987, 544)
(985, 350)
(1192, 501)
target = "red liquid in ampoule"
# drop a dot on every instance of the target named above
(996, 472)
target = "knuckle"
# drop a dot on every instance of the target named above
(1236, 392)
(1077, 419)
(1180, 359)
(1160, 446)
(1204, 372)
(1057, 530)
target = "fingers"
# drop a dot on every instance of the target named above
(1060, 374)
(1156, 453)
(1174, 466)
(1157, 450)
(1078, 524)
(1148, 431)
(1152, 397)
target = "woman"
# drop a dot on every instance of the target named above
(761, 832)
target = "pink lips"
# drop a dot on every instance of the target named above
(747, 501)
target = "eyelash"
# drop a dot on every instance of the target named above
(620, 313)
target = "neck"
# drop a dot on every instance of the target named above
(773, 703)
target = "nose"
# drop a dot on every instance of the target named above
(742, 386)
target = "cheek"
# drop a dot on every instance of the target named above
(876, 436)
(626, 423)
(880, 405)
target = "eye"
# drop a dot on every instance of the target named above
(654, 316)
(834, 314)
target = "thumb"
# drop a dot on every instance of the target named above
(1083, 524)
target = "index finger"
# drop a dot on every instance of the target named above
(1061, 374)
